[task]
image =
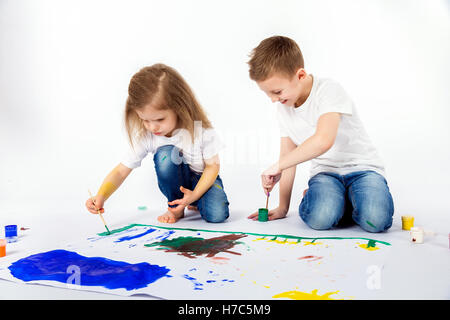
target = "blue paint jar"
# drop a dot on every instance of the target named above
(11, 233)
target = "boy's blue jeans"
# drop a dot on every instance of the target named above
(213, 205)
(331, 198)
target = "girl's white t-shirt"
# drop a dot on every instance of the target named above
(206, 145)
(352, 150)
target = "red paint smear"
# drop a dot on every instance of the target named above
(219, 260)
(313, 258)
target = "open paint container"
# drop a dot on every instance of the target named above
(416, 235)
(2, 247)
(11, 233)
(263, 214)
(407, 222)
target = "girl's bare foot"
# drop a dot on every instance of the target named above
(172, 215)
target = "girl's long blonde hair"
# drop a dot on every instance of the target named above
(164, 88)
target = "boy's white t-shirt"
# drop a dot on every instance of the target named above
(206, 145)
(352, 150)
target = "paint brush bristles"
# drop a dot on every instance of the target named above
(98, 211)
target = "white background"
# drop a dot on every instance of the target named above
(65, 68)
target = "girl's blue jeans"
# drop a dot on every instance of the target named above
(213, 205)
(332, 199)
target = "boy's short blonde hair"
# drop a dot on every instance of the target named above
(276, 54)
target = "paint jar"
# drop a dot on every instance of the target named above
(11, 233)
(416, 235)
(407, 222)
(2, 247)
(263, 214)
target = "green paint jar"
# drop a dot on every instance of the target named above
(263, 214)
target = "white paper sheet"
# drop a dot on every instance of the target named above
(175, 263)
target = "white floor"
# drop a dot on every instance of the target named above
(413, 271)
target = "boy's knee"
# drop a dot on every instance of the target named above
(319, 218)
(375, 221)
(321, 215)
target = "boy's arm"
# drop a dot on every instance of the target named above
(287, 176)
(286, 182)
(319, 143)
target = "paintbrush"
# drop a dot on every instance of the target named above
(267, 200)
(98, 211)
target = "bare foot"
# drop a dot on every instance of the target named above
(194, 208)
(172, 215)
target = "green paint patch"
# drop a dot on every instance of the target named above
(195, 246)
(142, 208)
(116, 230)
(175, 243)
(218, 186)
(164, 158)
(371, 244)
(370, 224)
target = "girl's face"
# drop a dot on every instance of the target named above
(158, 122)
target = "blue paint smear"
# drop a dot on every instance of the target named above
(94, 271)
(165, 235)
(126, 238)
(197, 285)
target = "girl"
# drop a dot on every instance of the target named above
(163, 117)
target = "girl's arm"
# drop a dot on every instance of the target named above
(110, 184)
(209, 175)
(207, 179)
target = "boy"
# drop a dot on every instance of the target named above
(318, 122)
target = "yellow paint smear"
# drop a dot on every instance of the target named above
(298, 295)
(365, 246)
(278, 241)
(312, 243)
(107, 189)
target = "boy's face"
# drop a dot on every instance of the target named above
(280, 88)
(157, 121)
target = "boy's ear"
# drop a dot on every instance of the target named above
(301, 73)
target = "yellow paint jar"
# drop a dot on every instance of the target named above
(407, 222)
